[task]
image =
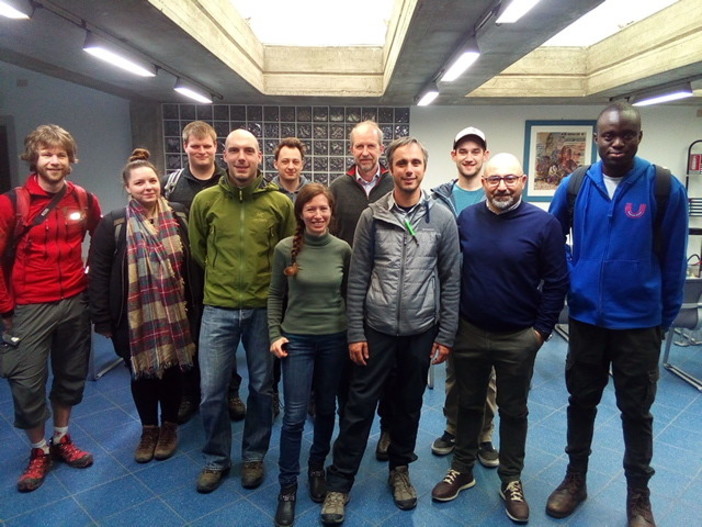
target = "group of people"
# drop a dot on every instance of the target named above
(355, 289)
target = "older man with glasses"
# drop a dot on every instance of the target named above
(513, 282)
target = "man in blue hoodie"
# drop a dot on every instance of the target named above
(625, 291)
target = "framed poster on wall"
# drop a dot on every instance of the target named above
(552, 150)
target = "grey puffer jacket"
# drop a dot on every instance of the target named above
(402, 283)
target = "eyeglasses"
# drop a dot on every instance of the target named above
(510, 180)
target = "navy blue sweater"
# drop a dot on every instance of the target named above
(514, 273)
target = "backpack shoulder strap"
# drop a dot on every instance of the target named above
(19, 197)
(171, 182)
(574, 184)
(662, 186)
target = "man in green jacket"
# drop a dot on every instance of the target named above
(234, 227)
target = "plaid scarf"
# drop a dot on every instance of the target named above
(159, 332)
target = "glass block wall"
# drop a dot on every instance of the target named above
(324, 130)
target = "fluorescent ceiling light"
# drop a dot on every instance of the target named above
(460, 65)
(192, 92)
(607, 19)
(104, 51)
(515, 10)
(317, 22)
(428, 95)
(16, 9)
(663, 95)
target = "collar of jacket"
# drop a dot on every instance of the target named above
(245, 193)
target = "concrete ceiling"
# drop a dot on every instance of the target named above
(208, 42)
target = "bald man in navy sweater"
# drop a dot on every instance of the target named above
(514, 280)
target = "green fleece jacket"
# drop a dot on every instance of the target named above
(233, 233)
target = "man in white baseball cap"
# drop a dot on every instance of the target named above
(469, 153)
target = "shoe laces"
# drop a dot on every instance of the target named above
(401, 477)
(37, 464)
(451, 476)
(335, 499)
(514, 489)
(69, 450)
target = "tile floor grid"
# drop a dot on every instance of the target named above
(117, 491)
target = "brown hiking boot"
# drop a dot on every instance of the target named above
(147, 444)
(638, 508)
(568, 495)
(167, 441)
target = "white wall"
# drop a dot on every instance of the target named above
(668, 131)
(99, 122)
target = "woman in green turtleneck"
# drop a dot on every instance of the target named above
(309, 336)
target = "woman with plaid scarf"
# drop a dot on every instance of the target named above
(142, 298)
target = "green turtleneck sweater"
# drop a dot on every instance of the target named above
(315, 294)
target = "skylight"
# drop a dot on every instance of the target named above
(605, 20)
(317, 22)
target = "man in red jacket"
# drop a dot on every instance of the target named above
(43, 300)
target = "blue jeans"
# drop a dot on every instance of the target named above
(221, 331)
(318, 359)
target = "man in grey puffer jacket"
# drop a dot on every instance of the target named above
(402, 306)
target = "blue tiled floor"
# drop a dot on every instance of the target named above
(116, 491)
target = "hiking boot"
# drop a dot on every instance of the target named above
(69, 453)
(186, 410)
(276, 404)
(403, 492)
(381, 449)
(210, 479)
(488, 456)
(237, 408)
(285, 513)
(638, 508)
(39, 465)
(167, 441)
(333, 508)
(444, 445)
(252, 474)
(318, 485)
(454, 482)
(568, 495)
(147, 444)
(516, 506)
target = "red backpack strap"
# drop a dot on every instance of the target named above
(19, 197)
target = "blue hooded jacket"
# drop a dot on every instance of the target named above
(617, 280)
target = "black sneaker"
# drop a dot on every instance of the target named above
(488, 456)
(516, 505)
(454, 482)
(444, 445)
(186, 410)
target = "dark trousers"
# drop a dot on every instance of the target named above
(150, 394)
(409, 357)
(633, 355)
(512, 354)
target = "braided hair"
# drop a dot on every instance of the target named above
(306, 194)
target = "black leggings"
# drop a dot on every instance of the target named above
(148, 394)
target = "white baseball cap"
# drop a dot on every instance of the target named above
(470, 131)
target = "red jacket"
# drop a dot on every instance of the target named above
(48, 263)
